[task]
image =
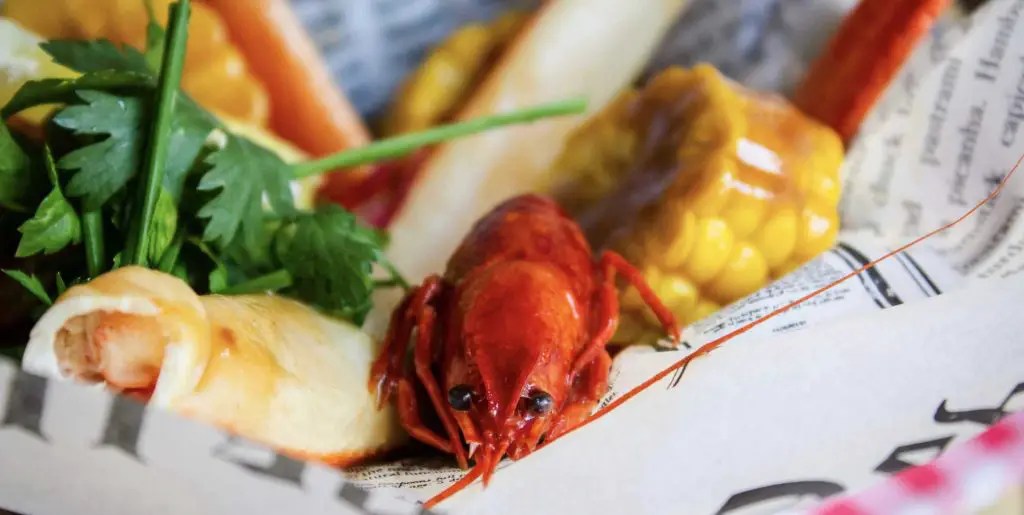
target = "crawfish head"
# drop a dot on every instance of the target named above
(508, 377)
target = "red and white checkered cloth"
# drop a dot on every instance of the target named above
(964, 479)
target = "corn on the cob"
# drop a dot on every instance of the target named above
(735, 188)
(438, 88)
(216, 73)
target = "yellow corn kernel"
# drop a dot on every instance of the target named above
(438, 88)
(603, 147)
(630, 297)
(745, 213)
(745, 272)
(711, 193)
(704, 309)
(777, 237)
(825, 187)
(828, 154)
(635, 330)
(671, 246)
(630, 329)
(818, 229)
(506, 26)
(712, 244)
(678, 295)
(736, 187)
(216, 73)
(442, 80)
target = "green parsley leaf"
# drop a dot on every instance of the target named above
(384, 237)
(55, 224)
(163, 226)
(169, 259)
(31, 283)
(217, 278)
(189, 129)
(255, 260)
(95, 56)
(61, 287)
(16, 175)
(63, 91)
(330, 258)
(200, 267)
(241, 173)
(105, 167)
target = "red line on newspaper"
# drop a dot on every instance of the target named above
(474, 474)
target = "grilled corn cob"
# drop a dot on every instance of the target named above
(439, 87)
(215, 75)
(711, 189)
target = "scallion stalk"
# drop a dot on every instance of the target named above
(167, 93)
(400, 145)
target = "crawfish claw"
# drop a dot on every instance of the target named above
(383, 383)
(385, 388)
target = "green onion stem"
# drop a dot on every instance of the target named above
(273, 281)
(396, 276)
(92, 235)
(401, 145)
(388, 283)
(159, 138)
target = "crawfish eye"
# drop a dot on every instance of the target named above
(539, 403)
(460, 397)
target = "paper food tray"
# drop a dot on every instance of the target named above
(834, 402)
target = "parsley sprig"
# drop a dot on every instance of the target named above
(141, 174)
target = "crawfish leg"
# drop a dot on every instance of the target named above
(409, 416)
(423, 359)
(604, 319)
(386, 371)
(587, 390)
(612, 262)
(388, 374)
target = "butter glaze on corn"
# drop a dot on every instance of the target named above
(712, 190)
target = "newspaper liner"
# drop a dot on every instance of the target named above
(947, 131)
(986, 245)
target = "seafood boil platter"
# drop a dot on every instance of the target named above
(579, 247)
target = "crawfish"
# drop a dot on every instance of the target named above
(510, 342)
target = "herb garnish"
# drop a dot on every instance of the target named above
(146, 176)
(16, 174)
(55, 224)
(173, 65)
